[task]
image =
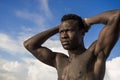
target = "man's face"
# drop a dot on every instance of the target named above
(69, 34)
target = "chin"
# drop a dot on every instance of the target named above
(69, 48)
(66, 47)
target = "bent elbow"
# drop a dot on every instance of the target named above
(27, 45)
(114, 19)
(24, 43)
(117, 15)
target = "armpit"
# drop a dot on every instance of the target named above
(92, 46)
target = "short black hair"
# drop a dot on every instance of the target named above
(73, 17)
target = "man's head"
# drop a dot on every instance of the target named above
(71, 31)
(74, 17)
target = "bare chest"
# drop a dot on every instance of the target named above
(77, 68)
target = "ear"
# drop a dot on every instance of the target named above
(83, 32)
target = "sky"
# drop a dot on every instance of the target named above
(21, 19)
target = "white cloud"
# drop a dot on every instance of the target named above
(33, 17)
(12, 70)
(113, 69)
(30, 69)
(40, 71)
(43, 13)
(15, 46)
(45, 7)
(57, 46)
(10, 45)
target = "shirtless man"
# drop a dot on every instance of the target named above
(82, 63)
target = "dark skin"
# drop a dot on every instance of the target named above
(82, 64)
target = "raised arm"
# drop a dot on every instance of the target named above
(34, 45)
(109, 34)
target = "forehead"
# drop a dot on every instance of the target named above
(69, 24)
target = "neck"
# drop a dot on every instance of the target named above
(78, 51)
(75, 52)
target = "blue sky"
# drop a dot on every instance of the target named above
(20, 19)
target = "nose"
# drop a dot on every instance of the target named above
(64, 35)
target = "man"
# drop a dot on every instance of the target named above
(82, 63)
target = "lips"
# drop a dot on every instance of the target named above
(65, 42)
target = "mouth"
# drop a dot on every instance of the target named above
(65, 43)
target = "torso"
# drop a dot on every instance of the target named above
(80, 68)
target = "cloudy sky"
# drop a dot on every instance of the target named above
(20, 19)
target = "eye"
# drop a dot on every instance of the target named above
(61, 31)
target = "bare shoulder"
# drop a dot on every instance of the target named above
(61, 60)
(61, 56)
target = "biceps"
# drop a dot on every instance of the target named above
(107, 39)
